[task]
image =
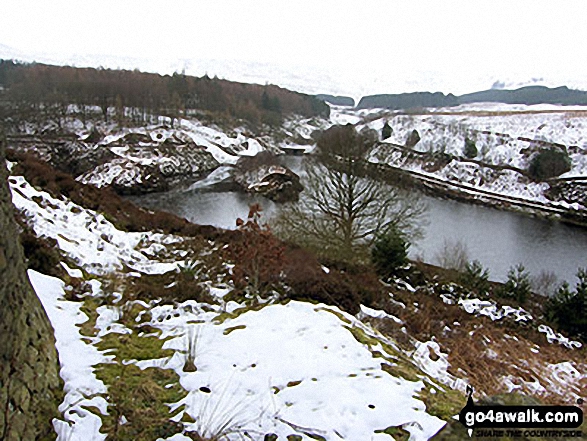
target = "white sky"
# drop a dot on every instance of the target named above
(351, 47)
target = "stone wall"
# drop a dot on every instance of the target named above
(30, 387)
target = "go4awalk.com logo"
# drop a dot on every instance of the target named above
(521, 421)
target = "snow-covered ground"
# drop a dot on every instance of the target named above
(284, 368)
(297, 367)
(287, 368)
(88, 238)
(197, 149)
(77, 359)
(505, 135)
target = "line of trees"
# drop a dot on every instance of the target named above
(39, 87)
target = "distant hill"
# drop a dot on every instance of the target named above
(408, 100)
(526, 95)
(337, 100)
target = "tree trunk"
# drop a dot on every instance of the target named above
(30, 387)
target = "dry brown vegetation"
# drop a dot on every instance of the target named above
(485, 353)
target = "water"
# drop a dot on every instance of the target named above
(205, 205)
(501, 239)
(498, 239)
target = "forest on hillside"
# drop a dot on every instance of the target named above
(33, 88)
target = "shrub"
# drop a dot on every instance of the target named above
(517, 285)
(476, 278)
(257, 254)
(549, 163)
(413, 139)
(389, 253)
(453, 255)
(470, 148)
(41, 253)
(569, 309)
(545, 283)
(386, 131)
(341, 285)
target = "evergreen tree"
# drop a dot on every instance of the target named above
(569, 309)
(389, 253)
(386, 131)
(517, 284)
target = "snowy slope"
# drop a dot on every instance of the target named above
(283, 368)
(505, 136)
(295, 365)
(287, 368)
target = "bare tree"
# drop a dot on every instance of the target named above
(453, 255)
(344, 208)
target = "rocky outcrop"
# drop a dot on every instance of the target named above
(135, 163)
(263, 175)
(571, 191)
(146, 169)
(30, 387)
(413, 139)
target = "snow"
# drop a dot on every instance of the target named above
(505, 135)
(88, 237)
(430, 358)
(283, 368)
(72, 272)
(556, 338)
(491, 310)
(280, 369)
(370, 312)
(215, 140)
(276, 370)
(217, 176)
(76, 357)
(118, 170)
(295, 364)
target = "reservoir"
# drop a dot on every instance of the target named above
(498, 239)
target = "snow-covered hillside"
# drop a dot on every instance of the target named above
(286, 368)
(505, 136)
(281, 367)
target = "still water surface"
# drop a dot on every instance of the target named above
(498, 239)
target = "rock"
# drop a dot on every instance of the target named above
(77, 157)
(261, 174)
(135, 139)
(386, 131)
(571, 191)
(94, 137)
(149, 168)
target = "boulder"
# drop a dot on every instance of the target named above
(263, 175)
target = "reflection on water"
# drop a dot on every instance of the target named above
(501, 239)
(498, 239)
(220, 209)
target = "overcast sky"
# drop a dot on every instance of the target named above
(350, 47)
